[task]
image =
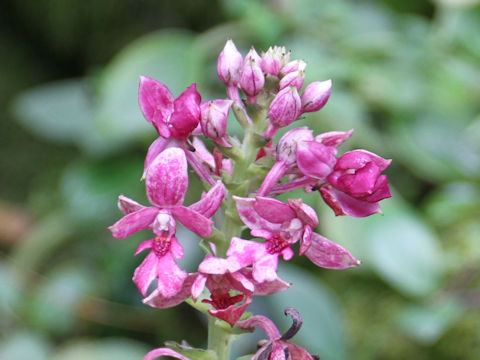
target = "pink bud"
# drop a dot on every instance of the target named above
(294, 78)
(252, 79)
(274, 59)
(186, 114)
(287, 145)
(229, 64)
(214, 115)
(316, 95)
(285, 107)
(295, 65)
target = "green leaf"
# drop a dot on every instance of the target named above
(399, 246)
(322, 331)
(58, 111)
(91, 189)
(55, 303)
(167, 56)
(427, 323)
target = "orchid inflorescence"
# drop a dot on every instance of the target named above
(242, 178)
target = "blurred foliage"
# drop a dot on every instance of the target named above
(406, 78)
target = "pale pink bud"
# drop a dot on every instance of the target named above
(252, 79)
(274, 59)
(285, 107)
(287, 145)
(229, 64)
(214, 115)
(316, 95)
(294, 65)
(294, 78)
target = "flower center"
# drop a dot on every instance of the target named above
(161, 245)
(276, 244)
(222, 301)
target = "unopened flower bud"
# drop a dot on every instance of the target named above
(214, 115)
(316, 95)
(274, 59)
(229, 64)
(287, 145)
(252, 79)
(294, 78)
(294, 65)
(285, 107)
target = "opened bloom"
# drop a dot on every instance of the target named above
(356, 184)
(166, 184)
(231, 287)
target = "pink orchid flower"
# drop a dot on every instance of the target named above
(356, 185)
(221, 277)
(277, 347)
(282, 225)
(171, 117)
(166, 184)
(309, 159)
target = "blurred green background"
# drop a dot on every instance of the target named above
(406, 77)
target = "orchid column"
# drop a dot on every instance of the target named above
(241, 179)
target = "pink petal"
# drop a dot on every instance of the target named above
(242, 283)
(157, 300)
(133, 222)
(297, 352)
(167, 178)
(306, 239)
(144, 245)
(175, 248)
(232, 313)
(327, 254)
(334, 138)
(266, 287)
(304, 212)
(153, 151)
(213, 266)
(356, 159)
(315, 159)
(154, 354)
(210, 202)
(127, 205)
(186, 115)
(145, 273)
(273, 210)
(193, 220)
(198, 286)
(245, 252)
(265, 269)
(343, 204)
(276, 173)
(264, 323)
(381, 190)
(361, 183)
(170, 277)
(249, 216)
(155, 100)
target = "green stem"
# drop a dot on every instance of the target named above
(219, 340)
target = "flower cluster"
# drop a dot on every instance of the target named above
(242, 178)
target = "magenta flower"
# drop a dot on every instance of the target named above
(277, 347)
(356, 185)
(229, 284)
(282, 225)
(310, 160)
(274, 59)
(166, 184)
(171, 117)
